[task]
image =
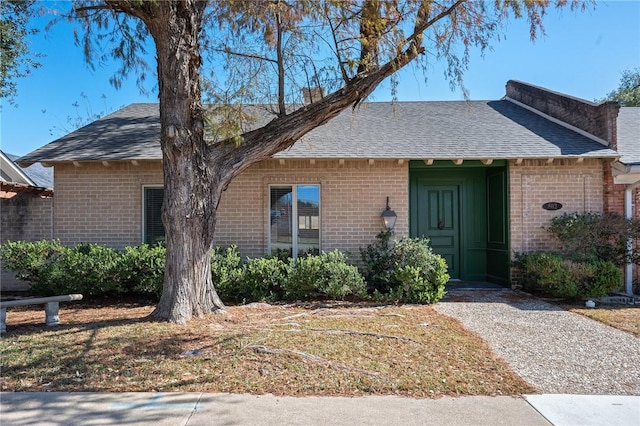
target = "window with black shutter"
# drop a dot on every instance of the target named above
(153, 227)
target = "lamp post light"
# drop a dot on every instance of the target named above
(389, 217)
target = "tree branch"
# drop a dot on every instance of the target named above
(282, 109)
(419, 29)
(228, 51)
(343, 71)
(282, 132)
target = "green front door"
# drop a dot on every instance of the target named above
(439, 210)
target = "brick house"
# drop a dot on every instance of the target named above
(473, 176)
(26, 206)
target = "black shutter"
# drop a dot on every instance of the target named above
(153, 227)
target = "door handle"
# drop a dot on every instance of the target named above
(441, 224)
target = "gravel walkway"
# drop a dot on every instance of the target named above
(554, 350)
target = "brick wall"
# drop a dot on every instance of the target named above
(23, 217)
(613, 194)
(577, 186)
(102, 204)
(596, 119)
(352, 197)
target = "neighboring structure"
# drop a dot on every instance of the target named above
(472, 176)
(26, 207)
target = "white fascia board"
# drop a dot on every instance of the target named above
(12, 170)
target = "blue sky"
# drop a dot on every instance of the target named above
(582, 54)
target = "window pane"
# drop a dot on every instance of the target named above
(281, 214)
(153, 227)
(308, 219)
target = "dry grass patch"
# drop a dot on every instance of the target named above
(622, 317)
(313, 349)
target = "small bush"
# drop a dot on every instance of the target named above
(258, 279)
(326, 275)
(225, 268)
(339, 279)
(551, 274)
(142, 270)
(595, 236)
(379, 263)
(408, 270)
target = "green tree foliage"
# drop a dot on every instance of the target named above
(628, 92)
(233, 52)
(16, 60)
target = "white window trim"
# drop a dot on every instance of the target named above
(294, 213)
(143, 221)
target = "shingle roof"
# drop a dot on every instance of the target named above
(41, 176)
(629, 135)
(406, 130)
(131, 133)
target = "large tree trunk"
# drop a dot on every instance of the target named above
(191, 186)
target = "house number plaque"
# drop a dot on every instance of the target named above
(552, 205)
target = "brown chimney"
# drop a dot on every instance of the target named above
(596, 119)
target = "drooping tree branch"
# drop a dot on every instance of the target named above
(282, 109)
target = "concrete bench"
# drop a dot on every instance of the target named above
(51, 307)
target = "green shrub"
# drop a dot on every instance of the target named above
(379, 263)
(31, 261)
(56, 269)
(596, 236)
(553, 275)
(225, 267)
(142, 270)
(407, 270)
(93, 270)
(339, 279)
(325, 275)
(258, 279)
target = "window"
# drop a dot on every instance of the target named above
(152, 227)
(294, 212)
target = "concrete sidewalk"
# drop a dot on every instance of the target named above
(229, 409)
(41, 408)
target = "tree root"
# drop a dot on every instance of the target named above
(270, 350)
(363, 333)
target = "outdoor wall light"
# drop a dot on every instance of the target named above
(389, 217)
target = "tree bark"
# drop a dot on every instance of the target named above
(191, 186)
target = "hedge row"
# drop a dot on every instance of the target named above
(406, 271)
(554, 275)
